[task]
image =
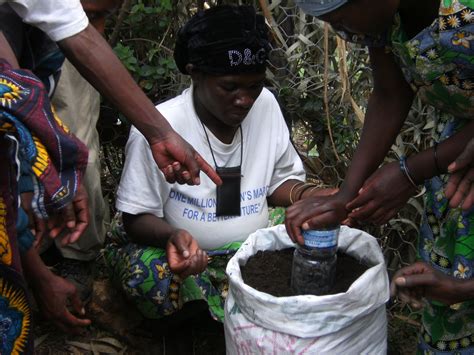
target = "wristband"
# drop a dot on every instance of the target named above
(406, 172)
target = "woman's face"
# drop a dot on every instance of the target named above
(369, 17)
(228, 98)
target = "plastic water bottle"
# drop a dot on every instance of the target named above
(314, 263)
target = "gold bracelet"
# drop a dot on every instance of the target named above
(301, 187)
(306, 186)
(292, 188)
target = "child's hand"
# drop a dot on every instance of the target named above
(184, 255)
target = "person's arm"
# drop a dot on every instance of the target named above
(53, 294)
(184, 255)
(95, 60)
(6, 52)
(147, 229)
(387, 110)
(294, 190)
(423, 165)
(388, 189)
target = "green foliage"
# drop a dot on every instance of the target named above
(145, 45)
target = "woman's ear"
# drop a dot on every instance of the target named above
(195, 74)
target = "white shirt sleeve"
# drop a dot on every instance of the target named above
(59, 19)
(142, 188)
(288, 164)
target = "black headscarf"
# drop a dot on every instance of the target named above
(223, 40)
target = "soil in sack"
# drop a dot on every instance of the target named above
(269, 271)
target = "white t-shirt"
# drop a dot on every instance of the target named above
(59, 19)
(269, 159)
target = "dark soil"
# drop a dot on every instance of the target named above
(269, 271)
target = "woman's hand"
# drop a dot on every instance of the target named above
(381, 196)
(73, 219)
(184, 255)
(54, 297)
(460, 188)
(314, 212)
(413, 283)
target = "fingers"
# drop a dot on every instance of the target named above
(65, 219)
(362, 198)
(66, 320)
(77, 303)
(195, 264)
(175, 173)
(465, 159)
(206, 169)
(453, 182)
(71, 323)
(183, 244)
(469, 199)
(294, 232)
(367, 212)
(322, 220)
(406, 284)
(81, 211)
(460, 190)
(40, 229)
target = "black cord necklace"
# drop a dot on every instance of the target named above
(228, 194)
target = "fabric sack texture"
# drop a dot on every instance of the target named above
(344, 323)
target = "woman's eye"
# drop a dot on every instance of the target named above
(229, 88)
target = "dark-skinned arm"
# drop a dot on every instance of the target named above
(148, 229)
(6, 52)
(299, 190)
(387, 109)
(184, 255)
(388, 189)
(95, 60)
(423, 166)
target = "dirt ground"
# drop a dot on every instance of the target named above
(118, 329)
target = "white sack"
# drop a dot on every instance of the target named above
(352, 322)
